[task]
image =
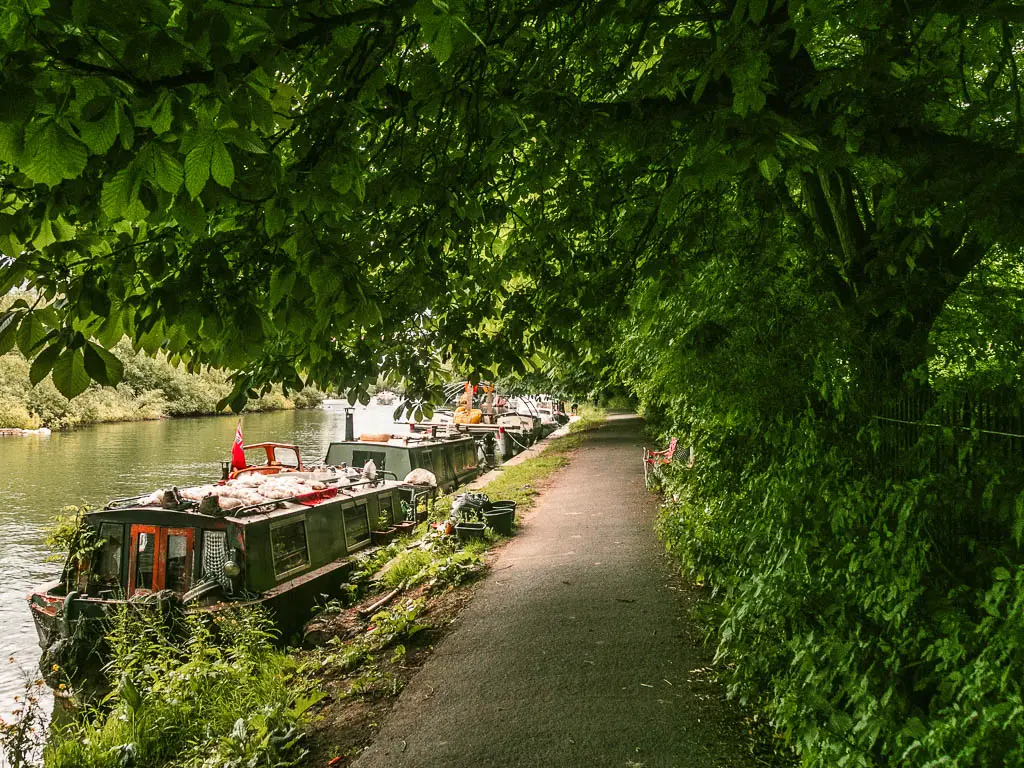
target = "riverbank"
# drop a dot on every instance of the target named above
(370, 680)
(152, 388)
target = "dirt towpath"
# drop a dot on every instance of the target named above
(576, 650)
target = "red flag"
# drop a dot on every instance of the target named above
(237, 454)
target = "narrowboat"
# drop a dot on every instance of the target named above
(451, 458)
(505, 439)
(480, 412)
(279, 537)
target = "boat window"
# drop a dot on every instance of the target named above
(145, 548)
(108, 569)
(359, 459)
(288, 542)
(286, 456)
(424, 459)
(177, 576)
(357, 525)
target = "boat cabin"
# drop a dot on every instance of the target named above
(280, 539)
(453, 460)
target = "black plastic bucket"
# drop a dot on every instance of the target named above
(500, 519)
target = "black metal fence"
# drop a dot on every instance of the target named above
(969, 448)
(925, 431)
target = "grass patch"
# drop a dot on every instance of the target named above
(405, 567)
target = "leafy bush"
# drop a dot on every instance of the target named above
(867, 576)
(152, 388)
(405, 568)
(190, 693)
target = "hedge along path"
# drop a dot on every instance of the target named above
(575, 650)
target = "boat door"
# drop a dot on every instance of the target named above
(161, 558)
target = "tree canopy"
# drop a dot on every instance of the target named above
(319, 191)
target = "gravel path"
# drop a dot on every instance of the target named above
(576, 650)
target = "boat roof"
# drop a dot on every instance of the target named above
(344, 487)
(410, 441)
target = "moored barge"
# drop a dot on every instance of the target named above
(278, 537)
(452, 459)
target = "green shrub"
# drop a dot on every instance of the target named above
(152, 388)
(190, 693)
(14, 414)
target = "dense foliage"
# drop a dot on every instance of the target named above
(150, 388)
(868, 572)
(790, 229)
(184, 691)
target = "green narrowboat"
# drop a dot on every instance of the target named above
(280, 539)
(452, 460)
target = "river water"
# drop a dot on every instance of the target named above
(40, 475)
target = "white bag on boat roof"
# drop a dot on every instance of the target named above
(422, 477)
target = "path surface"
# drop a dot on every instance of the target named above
(574, 651)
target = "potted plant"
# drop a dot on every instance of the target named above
(384, 532)
(405, 527)
(408, 521)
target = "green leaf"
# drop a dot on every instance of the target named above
(341, 181)
(165, 170)
(221, 166)
(757, 10)
(770, 168)
(111, 331)
(54, 155)
(8, 331)
(45, 165)
(99, 135)
(103, 366)
(30, 334)
(44, 362)
(281, 282)
(11, 276)
(69, 374)
(45, 235)
(160, 117)
(437, 28)
(114, 198)
(273, 220)
(197, 168)
(800, 141)
(12, 145)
